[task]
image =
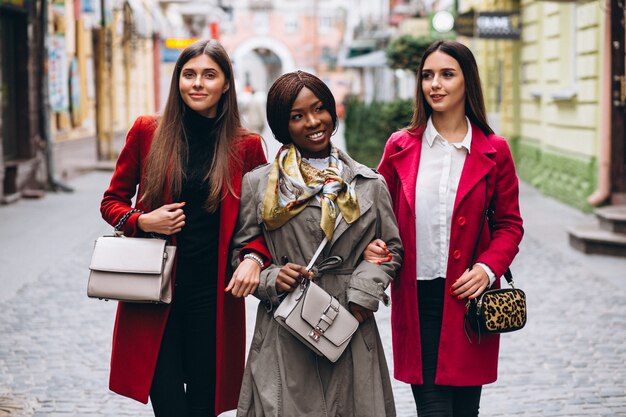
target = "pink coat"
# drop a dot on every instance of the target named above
(459, 362)
(139, 327)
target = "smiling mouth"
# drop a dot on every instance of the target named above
(315, 136)
(437, 96)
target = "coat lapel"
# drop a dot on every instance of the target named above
(362, 192)
(406, 163)
(477, 165)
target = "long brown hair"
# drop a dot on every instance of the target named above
(165, 164)
(283, 93)
(474, 102)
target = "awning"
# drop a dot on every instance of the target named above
(376, 59)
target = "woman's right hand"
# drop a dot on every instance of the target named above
(166, 220)
(290, 275)
(377, 252)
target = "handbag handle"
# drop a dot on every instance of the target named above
(507, 275)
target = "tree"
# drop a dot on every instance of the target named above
(406, 52)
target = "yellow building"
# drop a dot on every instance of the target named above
(542, 92)
(560, 101)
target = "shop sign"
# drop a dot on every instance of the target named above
(179, 43)
(498, 25)
(489, 25)
(465, 23)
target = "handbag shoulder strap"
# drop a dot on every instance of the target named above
(322, 245)
(325, 241)
(486, 214)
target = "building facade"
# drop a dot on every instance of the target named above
(22, 143)
(561, 99)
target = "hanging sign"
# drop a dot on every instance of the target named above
(489, 25)
(499, 25)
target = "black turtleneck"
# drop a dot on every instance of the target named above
(197, 241)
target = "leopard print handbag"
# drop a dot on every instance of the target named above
(498, 310)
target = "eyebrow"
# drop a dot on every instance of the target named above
(202, 70)
(442, 69)
(313, 105)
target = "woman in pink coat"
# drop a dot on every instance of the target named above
(438, 170)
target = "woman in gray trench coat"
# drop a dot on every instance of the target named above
(288, 201)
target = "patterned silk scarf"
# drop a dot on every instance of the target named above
(293, 182)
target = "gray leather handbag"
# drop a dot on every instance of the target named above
(131, 269)
(316, 318)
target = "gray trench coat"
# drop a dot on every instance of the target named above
(285, 378)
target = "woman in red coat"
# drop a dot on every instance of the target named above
(186, 168)
(438, 170)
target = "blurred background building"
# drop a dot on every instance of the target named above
(76, 73)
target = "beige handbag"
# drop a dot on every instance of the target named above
(316, 318)
(131, 269)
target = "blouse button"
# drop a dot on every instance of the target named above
(456, 254)
(461, 220)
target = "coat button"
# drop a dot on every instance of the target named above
(461, 221)
(456, 254)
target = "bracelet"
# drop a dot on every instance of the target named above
(255, 258)
(125, 217)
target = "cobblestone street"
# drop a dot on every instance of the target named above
(570, 360)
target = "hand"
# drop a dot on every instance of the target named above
(471, 284)
(245, 279)
(166, 220)
(360, 313)
(290, 276)
(377, 252)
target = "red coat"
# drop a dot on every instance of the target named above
(139, 327)
(459, 362)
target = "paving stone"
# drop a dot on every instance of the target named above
(570, 360)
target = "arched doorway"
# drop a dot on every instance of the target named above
(257, 63)
(260, 60)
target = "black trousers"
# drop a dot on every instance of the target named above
(184, 379)
(438, 400)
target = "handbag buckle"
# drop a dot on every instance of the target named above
(329, 306)
(316, 333)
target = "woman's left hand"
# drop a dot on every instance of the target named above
(245, 279)
(471, 284)
(376, 252)
(360, 313)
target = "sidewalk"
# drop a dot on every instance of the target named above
(570, 360)
(76, 157)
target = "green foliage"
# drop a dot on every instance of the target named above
(406, 52)
(368, 126)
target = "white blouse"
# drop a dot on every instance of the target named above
(440, 167)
